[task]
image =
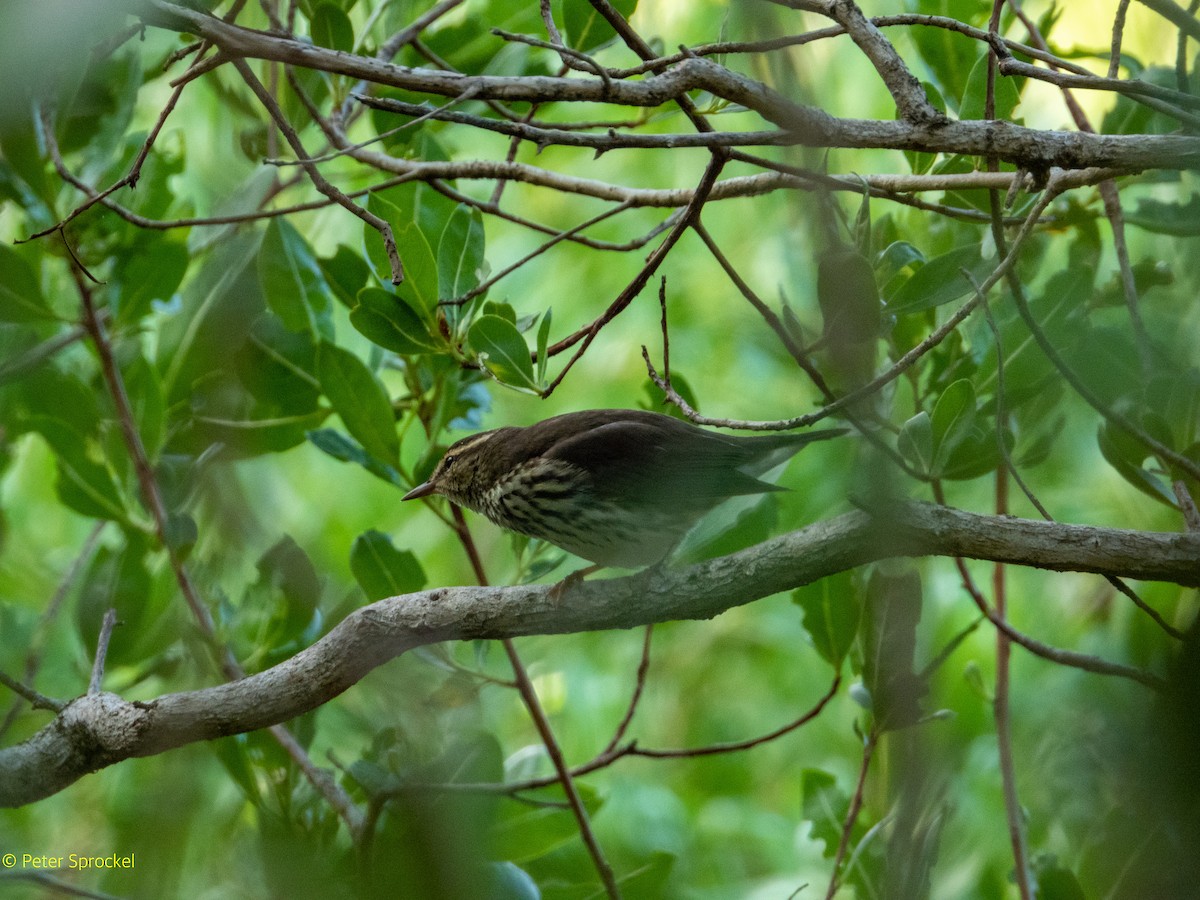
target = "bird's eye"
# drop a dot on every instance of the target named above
(448, 462)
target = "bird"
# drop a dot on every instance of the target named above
(616, 487)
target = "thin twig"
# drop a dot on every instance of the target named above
(1187, 505)
(36, 700)
(852, 814)
(37, 642)
(319, 181)
(749, 743)
(534, 706)
(711, 172)
(639, 685)
(107, 625)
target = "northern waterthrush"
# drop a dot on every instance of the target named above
(619, 487)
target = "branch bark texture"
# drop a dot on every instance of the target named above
(98, 730)
(1028, 148)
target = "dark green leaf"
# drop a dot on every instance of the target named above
(420, 268)
(219, 304)
(889, 639)
(360, 400)
(1007, 93)
(503, 351)
(374, 251)
(940, 280)
(460, 252)
(152, 270)
(286, 569)
(946, 54)
(341, 447)
(118, 579)
(21, 297)
(385, 319)
(252, 434)
(383, 571)
(523, 832)
(831, 610)
(916, 442)
(952, 420)
(823, 805)
(586, 28)
(331, 28)
(543, 341)
(1126, 454)
(346, 272)
(1161, 217)
(85, 485)
(292, 280)
(278, 368)
(847, 296)
(144, 387)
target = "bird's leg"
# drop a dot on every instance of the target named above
(559, 589)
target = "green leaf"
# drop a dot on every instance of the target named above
(948, 57)
(383, 571)
(952, 420)
(920, 163)
(831, 610)
(385, 319)
(543, 341)
(292, 280)
(360, 400)
(290, 579)
(975, 454)
(1007, 93)
(1160, 217)
(330, 27)
(522, 832)
(503, 351)
(21, 297)
(460, 252)
(915, 442)
(346, 272)
(889, 641)
(144, 387)
(276, 366)
(343, 448)
(373, 249)
(940, 280)
(420, 268)
(84, 484)
(896, 257)
(219, 304)
(151, 270)
(848, 297)
(824, 805)
(586, 28)
(119, 579)
(1126, 454)
(252, 434)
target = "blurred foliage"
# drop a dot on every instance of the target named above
(287, 394)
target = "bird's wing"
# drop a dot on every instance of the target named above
(630, 459)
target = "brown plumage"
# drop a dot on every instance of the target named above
(619, 487)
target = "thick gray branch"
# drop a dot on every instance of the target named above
(100, 729)
(1029, 148)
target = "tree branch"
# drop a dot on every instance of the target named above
(101, 729)
(1028, 148)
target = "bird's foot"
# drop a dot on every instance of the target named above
(559, 589)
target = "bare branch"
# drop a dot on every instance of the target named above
(101, 729)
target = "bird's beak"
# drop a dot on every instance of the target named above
(421, 490)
